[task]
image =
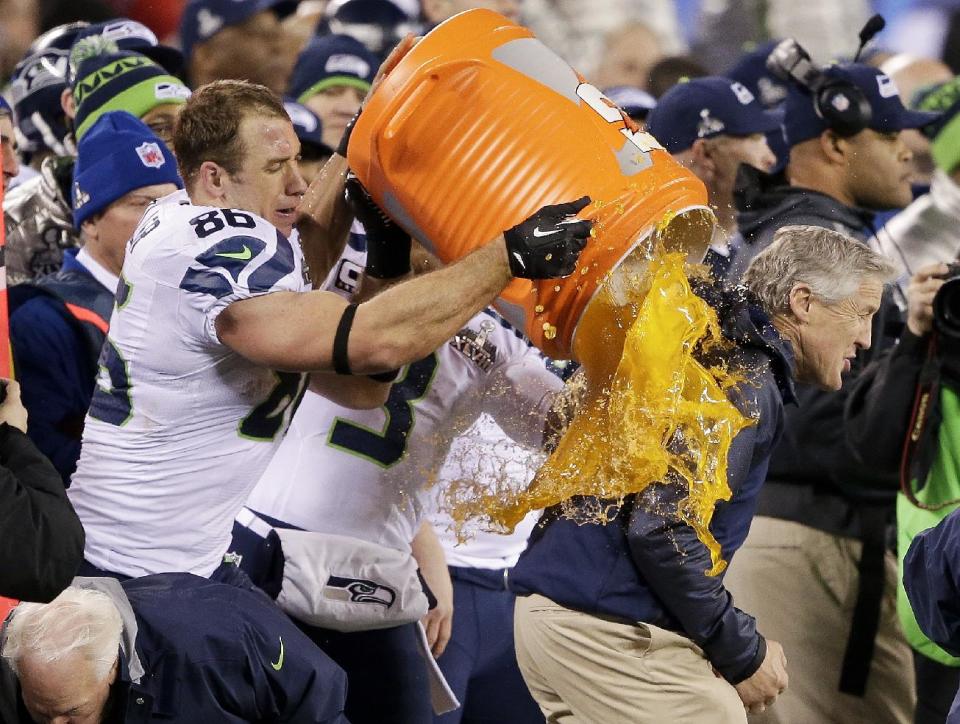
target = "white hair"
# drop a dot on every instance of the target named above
(77, 621)
(832, 264)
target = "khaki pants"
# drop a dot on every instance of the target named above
(801, 585)
(587, 670)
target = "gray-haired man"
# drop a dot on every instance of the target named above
(171, 647)
(603, 607)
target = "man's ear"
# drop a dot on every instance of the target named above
(800, 300)
(836, 148)
(68, 103)
(212, 177)
(90, 229)
(702, 163)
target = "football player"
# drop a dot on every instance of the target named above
(214, 327)
(363, 474)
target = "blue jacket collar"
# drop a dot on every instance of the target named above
(70, 262)
(744, 322)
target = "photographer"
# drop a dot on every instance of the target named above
(41, 541)
(903, 414)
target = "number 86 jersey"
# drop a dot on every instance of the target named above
(180, 426)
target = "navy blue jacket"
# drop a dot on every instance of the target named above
(931, 577)
(213, 652)
(815, 477)
(647, 566)
(57, 326)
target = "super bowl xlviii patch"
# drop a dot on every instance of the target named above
(475, 346)
(150, 154)
(359, 590)
(709, 126)
(80, 197)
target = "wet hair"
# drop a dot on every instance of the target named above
(209, 125)
(78, 621)
(832, 264)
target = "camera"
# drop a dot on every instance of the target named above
(946, 305)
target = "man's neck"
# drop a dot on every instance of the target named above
(104, 269)
(822, 180)
(789, 329)
(199, 198)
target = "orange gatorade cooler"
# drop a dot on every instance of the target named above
(480, 125)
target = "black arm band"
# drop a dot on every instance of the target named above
(341, 360)
(390, 376)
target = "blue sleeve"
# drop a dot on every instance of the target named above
(931, 577)
(56, 378)
(293, 679)
(674, 562)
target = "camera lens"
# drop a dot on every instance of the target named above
(946, 309)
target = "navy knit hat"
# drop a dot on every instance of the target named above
(801, 122)
(35, 89)
(122, 81)
(118, 155)
(130, 35)
(308, 127)
(707, 107)
(332, 60)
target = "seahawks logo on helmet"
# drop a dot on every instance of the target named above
(359, 590)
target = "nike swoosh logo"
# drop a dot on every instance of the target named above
(537, 233)
(279, 665)
(239, 255)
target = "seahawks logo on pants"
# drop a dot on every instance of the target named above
(359, 590)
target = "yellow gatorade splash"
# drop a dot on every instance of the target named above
(651, 411)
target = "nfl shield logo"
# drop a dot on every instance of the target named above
(150, 155)
(840, 102)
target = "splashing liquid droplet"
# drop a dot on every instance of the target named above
(651, 412)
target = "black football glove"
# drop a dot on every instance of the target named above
(548, 244)
(388, 245)
(345, 138)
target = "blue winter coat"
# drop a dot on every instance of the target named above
(645, 565)
(931, 577)
(206, 652)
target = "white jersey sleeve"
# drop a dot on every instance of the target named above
(520, 388)
(235, 256)
(487, 458)
(180, 426)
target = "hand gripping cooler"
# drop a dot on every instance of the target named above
(480, 125)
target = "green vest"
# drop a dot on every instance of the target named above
(943, 483)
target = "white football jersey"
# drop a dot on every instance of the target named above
(363, 473)
(181, 427)
(485, 455)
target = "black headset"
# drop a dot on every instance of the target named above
(840, 103)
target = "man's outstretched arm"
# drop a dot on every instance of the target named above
(296, 331)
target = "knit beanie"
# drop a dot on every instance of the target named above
(122, 81)
(118, 154)
(332, 60)
(945, 133)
